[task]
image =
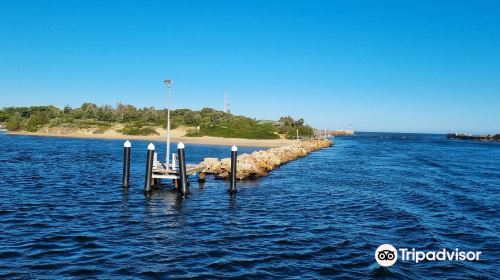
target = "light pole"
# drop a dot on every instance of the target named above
(169, 85)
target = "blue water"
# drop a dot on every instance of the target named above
(64, 214)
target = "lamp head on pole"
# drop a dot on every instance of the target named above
(168, 82)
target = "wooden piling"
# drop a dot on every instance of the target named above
(126, 163)
(234, 160)
(201, 176)
(149, 168)
(183, 187)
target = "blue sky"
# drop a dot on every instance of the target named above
(408, 66)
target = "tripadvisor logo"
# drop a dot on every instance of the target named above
(387, 255)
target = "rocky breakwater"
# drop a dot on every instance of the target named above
(259, 163)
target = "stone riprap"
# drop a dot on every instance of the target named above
(259, 163)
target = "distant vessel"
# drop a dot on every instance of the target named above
(461, 136)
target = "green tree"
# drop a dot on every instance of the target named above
(192, 118)
(14, 122)
(89, 110)
(4, 116)
(125, 113)
(36, 121)
(67, 110)
(105, 113)
(286, 121)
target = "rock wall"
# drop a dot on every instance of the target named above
(259, 163)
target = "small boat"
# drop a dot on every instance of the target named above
(462, 136)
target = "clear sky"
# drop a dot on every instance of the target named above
(409, 66)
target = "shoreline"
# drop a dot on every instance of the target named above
(204, 140)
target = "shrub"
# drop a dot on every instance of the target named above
(236, 130)
(36, 121)
(130, 129)
(92, 124)
(14, 122)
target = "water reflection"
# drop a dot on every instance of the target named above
(232, 201)
(201, 185)
(163, 201)
(125, 197)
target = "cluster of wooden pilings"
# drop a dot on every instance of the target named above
(177, 172)
(234, 168)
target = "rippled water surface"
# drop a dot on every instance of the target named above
(64, 214)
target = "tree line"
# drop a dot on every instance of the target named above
(143, 121)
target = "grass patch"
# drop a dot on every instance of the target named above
(239, 130)
(138, 129)
(85, 124)
(100, 130)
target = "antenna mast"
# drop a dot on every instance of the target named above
(226, 103)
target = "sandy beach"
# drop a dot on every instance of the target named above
(176, 136)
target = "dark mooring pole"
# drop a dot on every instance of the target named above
(234, 159)
(182, 168)
(149, 168)
(126, 163)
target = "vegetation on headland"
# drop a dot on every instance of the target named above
(145, 121)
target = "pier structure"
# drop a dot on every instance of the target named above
(160, 170)
(180, 171)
